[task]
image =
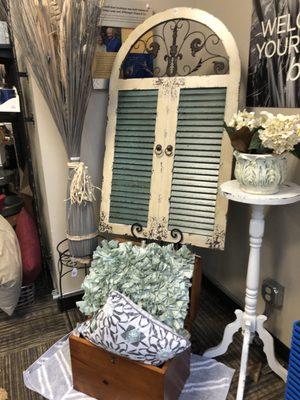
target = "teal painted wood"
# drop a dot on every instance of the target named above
(201, 110)
(196, 231)
(191, 212)
(193, 207)
(132, 166)
(189, 102)
(195, 132)
(138, 149)
(130, 140)
(194, 182)
(190, 201)
(141, 111)
(198, 140)
(130, 205)
(205, 173)
(138, 104)
(198, 125)
(195, 177)
(129, 187)
(197, 160)
(206, 120)
(130, 172)
(123, 162)
(136, 199)
(200, 165)
(209, 92)
(193, 223)
(183, 158)
(196, 152)
(119, 212)
(136, 130)
(189, 197)
(134, 119)
(194, 189)
(137, 93)
(132, 181)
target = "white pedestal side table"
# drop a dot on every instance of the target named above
(248, 320)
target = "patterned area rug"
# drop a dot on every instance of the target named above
(51, 376)
(27, 335)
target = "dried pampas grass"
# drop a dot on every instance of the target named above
(58, 38)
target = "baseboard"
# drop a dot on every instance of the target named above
(68, 302)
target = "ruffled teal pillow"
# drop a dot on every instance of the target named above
(157, 278)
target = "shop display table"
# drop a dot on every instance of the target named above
(248, 320)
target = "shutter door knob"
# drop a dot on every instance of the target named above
(169, 150)
(158, 149)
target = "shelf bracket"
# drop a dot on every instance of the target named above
(23, 74)
(29, 119)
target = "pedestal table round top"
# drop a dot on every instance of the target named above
(289, 193)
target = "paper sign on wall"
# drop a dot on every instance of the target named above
(124, 14)
(117, 21)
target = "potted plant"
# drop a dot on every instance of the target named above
(261, 144)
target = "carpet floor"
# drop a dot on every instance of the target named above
(28, 334)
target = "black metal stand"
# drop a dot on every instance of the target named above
(67, 264)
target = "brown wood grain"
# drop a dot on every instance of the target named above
(195, 293)
(101, 374)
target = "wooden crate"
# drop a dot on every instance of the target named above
(106, 376)
(103, 375)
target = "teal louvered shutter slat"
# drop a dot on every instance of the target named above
(132, 165)
(197, 160)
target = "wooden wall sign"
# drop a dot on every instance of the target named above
(165, 149)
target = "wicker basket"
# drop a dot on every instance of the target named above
(27, 296)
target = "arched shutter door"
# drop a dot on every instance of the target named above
(166, 153)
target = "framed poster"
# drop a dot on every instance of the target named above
(118, 19)
(274, 60)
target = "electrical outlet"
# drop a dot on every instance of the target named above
(272, 292)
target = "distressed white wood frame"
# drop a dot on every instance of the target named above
(165, 133)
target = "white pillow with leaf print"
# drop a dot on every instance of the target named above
(124, 328)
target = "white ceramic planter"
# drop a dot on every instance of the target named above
(260, 173)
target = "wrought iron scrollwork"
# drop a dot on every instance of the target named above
(136, 230)
(178, 50)
(138, 233)
(178, 236)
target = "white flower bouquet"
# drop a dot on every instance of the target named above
(265, 133)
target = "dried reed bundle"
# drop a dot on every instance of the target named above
(58, 38)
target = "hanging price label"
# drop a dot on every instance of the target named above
(74, 272)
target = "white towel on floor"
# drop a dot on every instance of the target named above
(51, 376)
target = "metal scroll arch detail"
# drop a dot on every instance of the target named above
(138, 232)
(176, 39)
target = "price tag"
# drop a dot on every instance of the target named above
(74, 272)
